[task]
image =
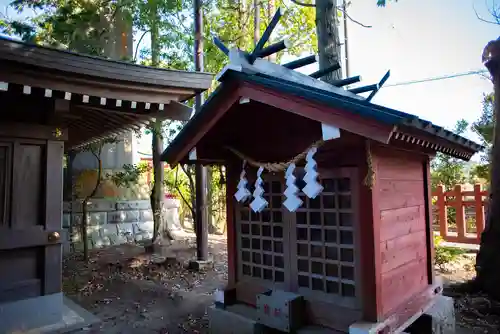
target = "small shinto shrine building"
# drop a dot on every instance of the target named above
(53, 102)
(329, 219)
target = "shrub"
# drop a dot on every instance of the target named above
(444, 254)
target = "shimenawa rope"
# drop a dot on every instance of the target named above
(276, 166)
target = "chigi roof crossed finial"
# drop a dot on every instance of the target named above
(253, 63)
(255, 81)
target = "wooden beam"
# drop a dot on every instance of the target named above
(74, 66)
(103, 88)
(380, 84)
(32, 131)
(332, 116)
(265, 36)
(218, 43)
(321, 73)
(239, 62)
(301, 62)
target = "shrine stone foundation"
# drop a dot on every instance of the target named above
(112, 222)
(439, 318)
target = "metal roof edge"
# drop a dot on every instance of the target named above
(362, 107)
(182, 135)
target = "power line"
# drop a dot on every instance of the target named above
(443, 77)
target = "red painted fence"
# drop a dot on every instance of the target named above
(459, 215)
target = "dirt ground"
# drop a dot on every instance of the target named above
(132, 293)
(474, 312)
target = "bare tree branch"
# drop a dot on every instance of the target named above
(176, 186)
(191, 186)
(353, 20)
(303, 3)
(493, 10)
(338, 8)
(484, 20)
(139, 43)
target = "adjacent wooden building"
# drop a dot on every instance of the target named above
(361, 252)
(53, 101)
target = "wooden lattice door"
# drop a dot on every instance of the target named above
(324, 239)
(262, 238)
(311, 251)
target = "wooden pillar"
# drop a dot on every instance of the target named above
(478, 199)
(68, 184)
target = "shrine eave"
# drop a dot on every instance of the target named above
(361, 107)
(408, 128)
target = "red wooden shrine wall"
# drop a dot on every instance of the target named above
(401, 214)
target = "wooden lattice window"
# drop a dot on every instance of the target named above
(261, 237)
(324, 261)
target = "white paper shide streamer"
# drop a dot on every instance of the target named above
(243, 193)
(292, 202)
(258, 203)
(313, 188)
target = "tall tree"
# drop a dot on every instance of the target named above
(447, 170)
(161, 230)
(202, 214)
(329, 46)
(484, 128)
(488, 258)
(256, 21)
(328, 37)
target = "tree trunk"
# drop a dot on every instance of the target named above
(256, 21)
(328, 37)
(271, 10)
(488, 258)
(85, 204)
(84, 230)
(161, 231)
(201, 180)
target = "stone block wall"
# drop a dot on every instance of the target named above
(112, 222)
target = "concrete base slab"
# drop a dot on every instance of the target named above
(199, 265)
(317, 330)
(235, 319)
(438, 319)
(366, 328)
(51, 314)
(242, 319)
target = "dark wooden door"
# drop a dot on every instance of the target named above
(30, 218)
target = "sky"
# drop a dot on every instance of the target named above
(419, 39)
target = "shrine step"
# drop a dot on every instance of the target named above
(234, 319)
(241, 319)
(317, 330)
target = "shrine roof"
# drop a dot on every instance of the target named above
(91, 97)
(403, 123)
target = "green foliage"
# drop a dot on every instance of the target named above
(130, 174)
(485, 127)
(383, 3)
(447, 170)
(71, 24)
(177, 182)
(443, 254)
(95, 147)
